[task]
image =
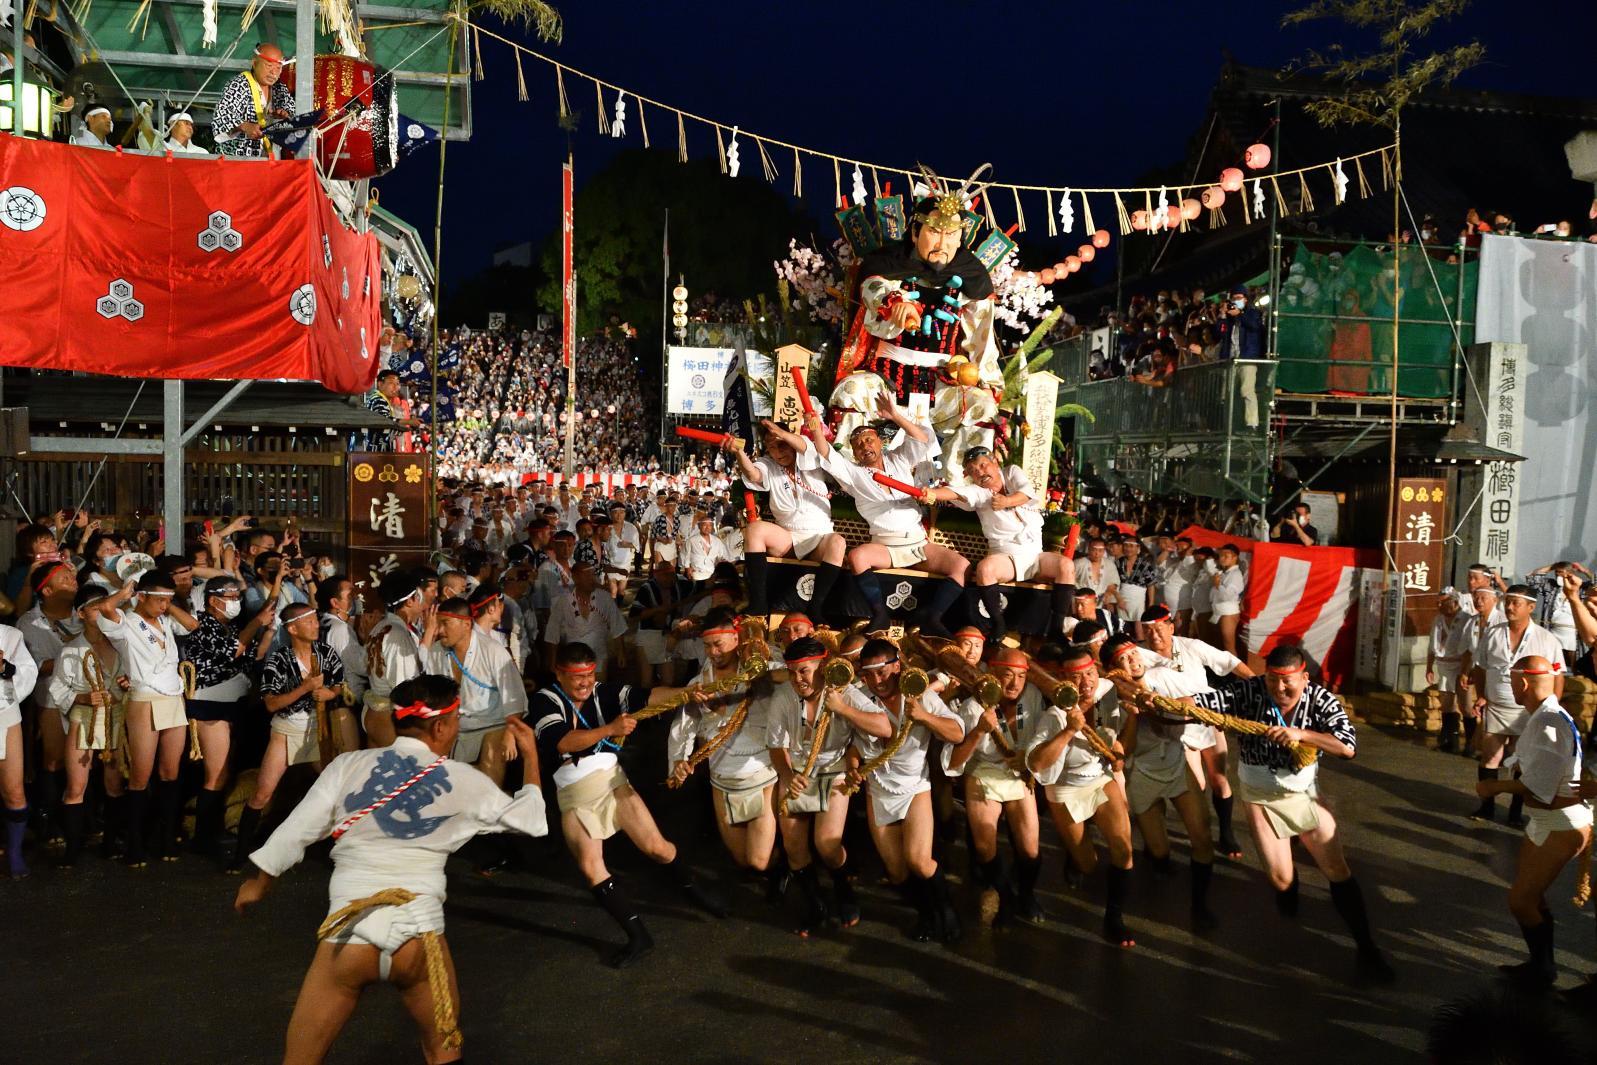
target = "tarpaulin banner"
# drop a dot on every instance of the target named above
(160, 266)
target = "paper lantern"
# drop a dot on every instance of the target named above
(1213, 197)
(1257, 157)
(1086, 253)
(1072, 264)
(1172, 216)
(1231, 179)
(1190, 208)
(1059, 269)
(680, 292)
(1047, 276)
(1139, 220)
(1100, 238)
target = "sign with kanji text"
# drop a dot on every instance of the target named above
(1418, 548)
(389, 525)
(786, 408)
(695, 379)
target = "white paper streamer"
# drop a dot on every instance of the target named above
(618, 125)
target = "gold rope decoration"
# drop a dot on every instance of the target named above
(1125, 219)
(1364, 184)
(1063, 695)
(1306, 198)
(719, 740)
(643, 124)
(1086, 214)
(912, 682)
(1302, 753)
(1583, 877)
(521, 81)
(437, 971)
(682, 141)
(1048, 205)
(837, 186)
(604, 123)
(823, 724)
(476, 56)
(186, 671)
(1020, 215)
(94, 673)
(798, 175)
(720, 148)
(765, 161)
(1280, 200)
(560, 86)
(876, 182)
(1247, 211)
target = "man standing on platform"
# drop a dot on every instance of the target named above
(251, 101)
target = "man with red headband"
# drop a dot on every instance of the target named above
(1550, 758)
(900, 808)
(1080, 785)
(146, 638)
(898, 537)
(1191, 662)
(1283, 800)
(1160, 770)
(1500, 644)
(47, 627)
(1006, 505)
(801, 506)
(809, 727)
(741, 775)
(395, 815)
(251, 101)
(491, 688)
(581, 725)
(991, 760)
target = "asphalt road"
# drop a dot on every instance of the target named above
(109, 965)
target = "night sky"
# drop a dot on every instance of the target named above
(1077, 94)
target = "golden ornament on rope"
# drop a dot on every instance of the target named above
(912, 684)
(835, 674)
(1302, 753)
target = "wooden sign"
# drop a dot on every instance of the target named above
(1417, 551)
(786, 409)
(390, 525)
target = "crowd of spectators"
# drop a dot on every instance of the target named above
(506, 413)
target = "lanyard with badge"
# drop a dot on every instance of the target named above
(582, 719)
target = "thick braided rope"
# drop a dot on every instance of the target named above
(354, 818)
(437, 971)
(871, 765)
(1583, 877)
(823, 724)
(190, 680)
(719, 740)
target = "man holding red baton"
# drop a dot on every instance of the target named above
(898, 539)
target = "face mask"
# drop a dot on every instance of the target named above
(230, 608)
(108, 564)
(325, 572)
(1239, 304)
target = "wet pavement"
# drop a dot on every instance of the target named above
(109, 965)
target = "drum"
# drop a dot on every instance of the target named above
(359, 132)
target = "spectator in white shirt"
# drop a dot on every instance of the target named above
(96, 131)
(1226, 599)
(702, 550)
(586, 614)
(180, 140)
(18, 675)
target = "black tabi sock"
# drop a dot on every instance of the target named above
(1027, 870)
(136, 814)
(1349, 902)
(1117, 887)
(16, 827)
(755, 577)
(209, 809)
(825, 578)
(841, 884)
(1061, 605)
(991, 599)
(609, 897)
(1286, 900)
(682, 877)
(1202, 876)
(52, 784)
(1516, 808)
(168, 805)
(931, 616)
(74, 823)
(249, 822)
(1222, 816)
(870, 587)
(111, 825)
(1488, 805)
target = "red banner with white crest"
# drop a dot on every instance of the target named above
(161, 266)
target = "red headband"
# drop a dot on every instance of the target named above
(422, 710)
(51, 572)
(580, 668)
(1294, 671)
(1537, 672)
(719, 632)
(479, 607)
(452, 614)
(806, 658)
(1086, 665)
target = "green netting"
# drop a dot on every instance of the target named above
(1334, 324)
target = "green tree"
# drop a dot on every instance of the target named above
(725, 233)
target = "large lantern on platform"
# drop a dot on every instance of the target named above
(359, 131)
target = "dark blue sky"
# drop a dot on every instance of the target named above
(1077, 94)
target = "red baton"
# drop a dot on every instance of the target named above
(750, 507)
(702, 434)
(803, 389)
(1072, 538)
(898, 486)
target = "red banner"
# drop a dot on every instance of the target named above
(154, 266)
(568, 280)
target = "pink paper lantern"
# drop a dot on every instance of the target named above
(1072, 263)
(1100, 238)
(1257, 157)
(1139, 220)
(1047, 276)
(1231, 179)
(1190, 208)
(1213, 197)
(1059, 269)
(1172, 215)
(1086, 253)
